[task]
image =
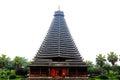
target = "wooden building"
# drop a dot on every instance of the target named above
(58, 55)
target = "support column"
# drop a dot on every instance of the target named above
(49, 71)
(40, 71)
(67, 72)
(76, 72)
(30, 72)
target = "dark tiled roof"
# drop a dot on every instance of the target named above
(58, 43)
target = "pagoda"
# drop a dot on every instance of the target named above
(58, 55)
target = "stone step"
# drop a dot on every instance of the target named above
(57, 79)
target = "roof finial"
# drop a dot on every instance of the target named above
(59, 7)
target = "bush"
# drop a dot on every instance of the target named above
(91, 76)
(103, 77)
(12, 71)
(2, 77)
(12, 76)
(22, 71)
(118, 77)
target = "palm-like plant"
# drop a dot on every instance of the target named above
(3, 60)
(100, 60)
(24, 62)
(17, 62)
(112, 58)
(20, 62)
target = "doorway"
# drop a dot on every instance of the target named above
(60, 73)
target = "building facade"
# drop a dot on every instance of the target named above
(58, 55)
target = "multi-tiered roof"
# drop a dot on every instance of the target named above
(58, 47)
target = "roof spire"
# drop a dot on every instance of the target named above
(59, 7)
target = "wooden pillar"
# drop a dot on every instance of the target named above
(30, 72)
(40, 71)
(76, 72)
(49, 71)
(68, 72)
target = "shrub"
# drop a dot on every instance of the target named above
(118, 77)
(22, 71)
(12, 71)
(2, 77)
(12, 76)
(103, 77)
(90, 76)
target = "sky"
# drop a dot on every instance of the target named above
(93, 24)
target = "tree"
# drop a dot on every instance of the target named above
(90, 67)
(17, 62)
(96, 70)
(100, 60)
(10, 65)
(89, 63)
(20, 62)
(3, 60)
(112, 58)
(107, 67)
(24, 62)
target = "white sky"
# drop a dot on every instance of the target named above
(94, 25)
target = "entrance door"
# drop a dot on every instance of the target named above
(58, 72)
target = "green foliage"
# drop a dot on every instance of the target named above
(116, 68)
(112, 57)
(4, 60)
(107, 68)
(7, 67)
(90, 67)
(113, 74)
(20, 62)
(103, 77)
(22, 72)
(10, 65)
(118, 77)
(100, 60)
(12, 71)
(12, 76)
(4, 74)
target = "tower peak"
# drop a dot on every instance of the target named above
(59, 8)
(59, 13)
